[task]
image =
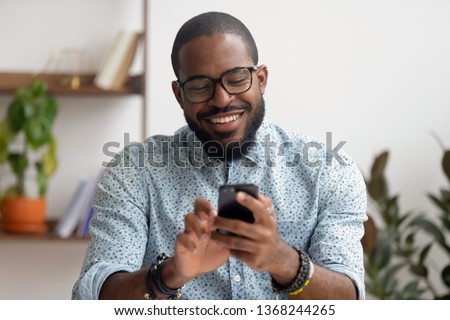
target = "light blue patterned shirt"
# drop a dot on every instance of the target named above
(145, 192)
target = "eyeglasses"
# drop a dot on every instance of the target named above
(235, 81)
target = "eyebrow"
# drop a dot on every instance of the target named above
(206, 77)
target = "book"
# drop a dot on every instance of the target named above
(113, 71)
(75, 209)
(83, 226)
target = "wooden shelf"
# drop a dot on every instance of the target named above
(49, 235)
(58, 84)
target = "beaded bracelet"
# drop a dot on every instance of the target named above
(311, 271)
(301, 280)
(154, 276)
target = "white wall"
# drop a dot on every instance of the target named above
(375, 73)
(35, 32)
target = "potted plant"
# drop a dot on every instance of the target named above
(27, 143)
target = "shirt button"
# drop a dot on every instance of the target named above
(237, 278)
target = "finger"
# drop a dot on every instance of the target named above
(258, 206)
(203, 208)
(235, 226)
(186, 240)
(265, 200)
(193, 224)
(234, 242)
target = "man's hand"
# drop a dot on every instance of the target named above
(258, 244)
(195, 251)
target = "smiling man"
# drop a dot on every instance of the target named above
(155, 229)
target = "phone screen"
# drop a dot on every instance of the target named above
(230, 208)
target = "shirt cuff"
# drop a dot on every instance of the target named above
(89, 285)
(357, 281)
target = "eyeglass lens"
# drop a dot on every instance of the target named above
(234, 81)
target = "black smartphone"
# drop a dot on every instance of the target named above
(229, 207)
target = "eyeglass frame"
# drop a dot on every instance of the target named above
(214, 81)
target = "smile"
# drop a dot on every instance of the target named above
(226, 119)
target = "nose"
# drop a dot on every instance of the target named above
(220, 98)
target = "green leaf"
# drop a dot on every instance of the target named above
(42, 180)
(49, 159)
(49, 109)
(446, 275)
(411, 290)
(23, 93)
(410, 238)
(38, 88)
(381, 254)
(438, 203)
(446, 163)
(419, 269)
(391, 272)
(445, 195)
(446, 223)
(3, 150)
(16, 115)
(424, 253)
(19, 163)
(5, 138)
(402, 219)
(379, 164)
(392, 209)
(432, 229)
(391, 288)
(38, 131)
(377, 188)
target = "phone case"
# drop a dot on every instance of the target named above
(230, 208)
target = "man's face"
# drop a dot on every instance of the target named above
(225, 118)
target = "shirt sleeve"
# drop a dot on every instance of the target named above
(336, 242)
(118, 227)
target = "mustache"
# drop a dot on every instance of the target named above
(215, 111)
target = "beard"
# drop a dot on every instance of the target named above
(235, 149)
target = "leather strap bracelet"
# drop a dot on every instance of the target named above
(301, 280)
(154, 276)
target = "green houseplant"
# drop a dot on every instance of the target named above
(26, 142)
(397, 264)
(442, 202)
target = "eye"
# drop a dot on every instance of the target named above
(198, 86)
(198, 89)
(237, 78)
(237, 81)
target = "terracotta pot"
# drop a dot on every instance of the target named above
(24, 215)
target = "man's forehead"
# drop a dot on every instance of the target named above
(206, 55)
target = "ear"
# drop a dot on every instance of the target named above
(262, 74)
(177, 93)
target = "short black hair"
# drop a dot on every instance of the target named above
(209, 24)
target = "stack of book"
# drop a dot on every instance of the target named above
(79, 211)
(114, 69)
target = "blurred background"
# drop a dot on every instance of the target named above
(374, 73)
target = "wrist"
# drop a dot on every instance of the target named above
(287, 264)
(301, 280)
(170, 275)
(156, 288)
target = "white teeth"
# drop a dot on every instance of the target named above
(225, 119)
